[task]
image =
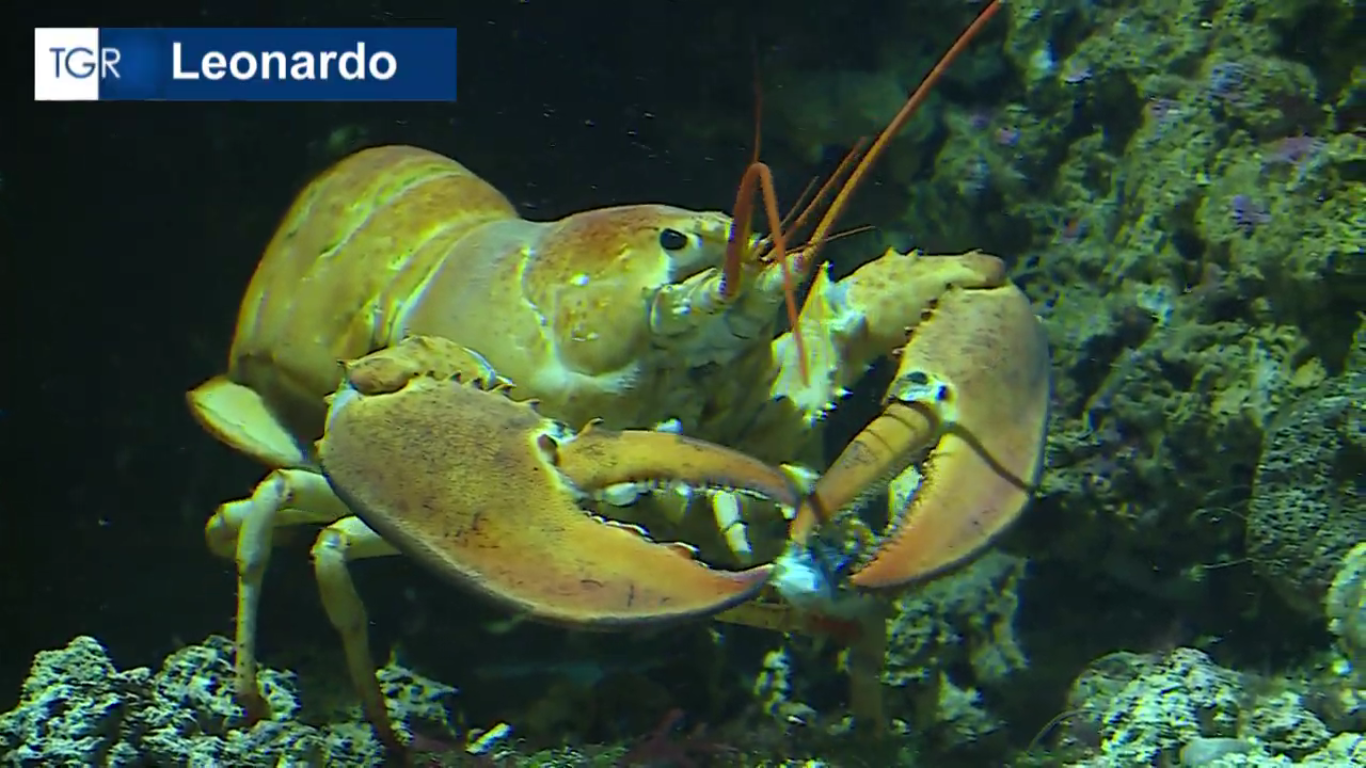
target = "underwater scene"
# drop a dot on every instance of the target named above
(935, 384)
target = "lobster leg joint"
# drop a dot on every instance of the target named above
(337, 545)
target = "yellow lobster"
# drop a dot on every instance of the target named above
(518, 401)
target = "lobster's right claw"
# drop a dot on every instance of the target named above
(960, 442)
(424, 444)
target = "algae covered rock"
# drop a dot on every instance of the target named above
(1346, 609)
(76, 708)
(1182, 709)
(952, 642)
(1308, 507)
(1148, 707)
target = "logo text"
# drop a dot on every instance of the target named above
(354, 64)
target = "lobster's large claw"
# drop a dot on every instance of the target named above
(973, 387)
(487, 492)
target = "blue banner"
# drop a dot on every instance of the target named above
(222, 64)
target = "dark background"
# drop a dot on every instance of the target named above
(136, 227)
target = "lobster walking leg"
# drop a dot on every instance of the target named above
(243, 531)
(343, 542)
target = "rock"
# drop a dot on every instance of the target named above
(1308, 507)
(1181, 708)
(77, 709)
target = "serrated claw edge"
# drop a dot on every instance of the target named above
(486, 492)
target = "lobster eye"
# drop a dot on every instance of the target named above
(672, 240)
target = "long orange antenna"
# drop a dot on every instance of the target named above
(846, 163)
(884, 138)
(759, 179)
(803, 200)
(742, 222)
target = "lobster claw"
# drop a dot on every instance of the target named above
(972, 387)
(424, 444)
